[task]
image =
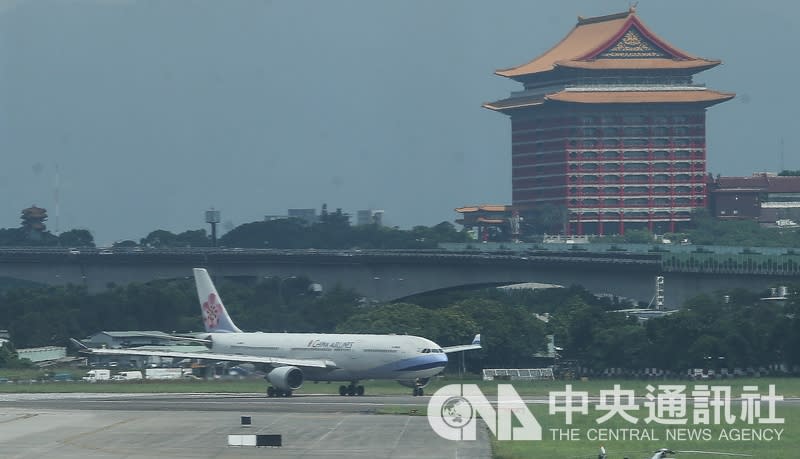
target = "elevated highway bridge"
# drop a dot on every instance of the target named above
(382, 275)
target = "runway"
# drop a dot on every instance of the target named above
(198, 425)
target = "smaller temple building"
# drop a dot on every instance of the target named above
(490, 222)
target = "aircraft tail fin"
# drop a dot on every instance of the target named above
(215, 316)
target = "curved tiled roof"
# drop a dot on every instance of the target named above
(639, 97)
(706, 96)
(484, 207)
(600, 43)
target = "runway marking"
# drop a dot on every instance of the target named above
(397, 440)
(330, 431)
(71, 441)
(21, 416)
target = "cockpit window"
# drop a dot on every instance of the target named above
(431, 351)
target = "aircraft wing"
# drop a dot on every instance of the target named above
(278, 361)
(476, 344)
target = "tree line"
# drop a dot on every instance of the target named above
(732, 330)
(333, 230)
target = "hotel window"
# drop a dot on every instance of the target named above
(634, 119)
(681, 131)
(635, 132)
(635, 154)
(634, 143)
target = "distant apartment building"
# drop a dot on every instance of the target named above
(307, 215)
(767, 198)
(369, 217)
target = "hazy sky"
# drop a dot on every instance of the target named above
(154, 111)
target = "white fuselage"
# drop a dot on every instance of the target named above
(350, 357)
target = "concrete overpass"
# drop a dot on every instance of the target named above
(390, 274)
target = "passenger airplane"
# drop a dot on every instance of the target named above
(295, 357)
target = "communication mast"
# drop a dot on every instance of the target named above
(659, 293)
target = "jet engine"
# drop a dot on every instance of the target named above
(286, 378)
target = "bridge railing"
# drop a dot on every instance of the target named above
(518, 374)
(781, 265)
(599, 247)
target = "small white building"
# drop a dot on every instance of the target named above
(42, 354)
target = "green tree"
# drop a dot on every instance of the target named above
(9, 357)
(290, 233)
(159, 239)
(76, 238)
(193, 238)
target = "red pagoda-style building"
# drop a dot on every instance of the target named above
(611, 126)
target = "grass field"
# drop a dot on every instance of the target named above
(589, 434)
(788, 387)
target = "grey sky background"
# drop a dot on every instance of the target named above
(155, 111)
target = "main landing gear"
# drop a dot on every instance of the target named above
(351, 389)
(273, 392)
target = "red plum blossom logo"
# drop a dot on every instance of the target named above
(212, 310)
